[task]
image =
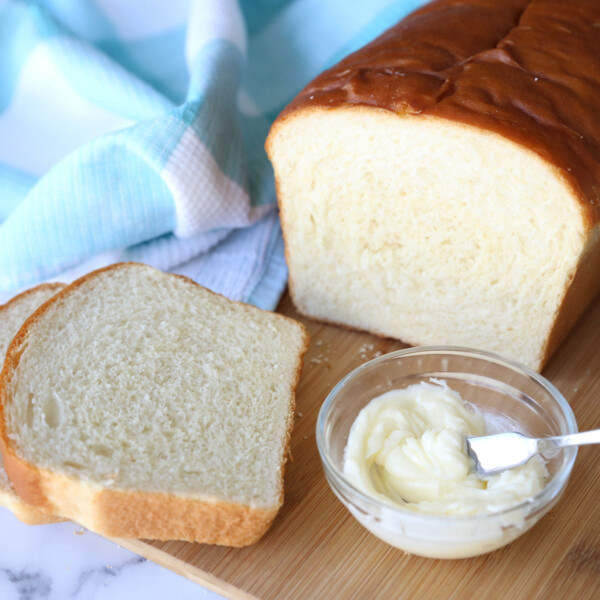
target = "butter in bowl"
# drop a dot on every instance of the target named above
(391, 433)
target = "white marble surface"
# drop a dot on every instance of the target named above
(63, 561)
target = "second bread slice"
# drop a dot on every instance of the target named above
(12, 316)
(139, 404)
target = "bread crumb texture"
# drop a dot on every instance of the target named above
(137, 380)
(425, 230)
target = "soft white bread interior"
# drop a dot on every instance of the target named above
(140, 404)
(12, 316)
(425, 229)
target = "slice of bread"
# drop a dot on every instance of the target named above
(12, 316)
(140, 404)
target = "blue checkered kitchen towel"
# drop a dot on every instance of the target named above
(134, 130)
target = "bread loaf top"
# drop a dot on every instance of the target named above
(527, 70)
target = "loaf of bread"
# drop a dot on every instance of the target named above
(140, 404)
(442, 184)
(12, 316)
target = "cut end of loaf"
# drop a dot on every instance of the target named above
(424, 229)
(136, 398)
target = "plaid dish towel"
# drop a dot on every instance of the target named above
(134, 130)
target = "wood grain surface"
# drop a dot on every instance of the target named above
(316, 550)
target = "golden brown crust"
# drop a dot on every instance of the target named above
(124, 513)
(25, 512)
(24, 479)
(529, 71)
(579, 293)
(129, 514)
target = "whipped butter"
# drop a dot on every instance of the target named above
(407, 448)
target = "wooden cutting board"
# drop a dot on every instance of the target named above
(316, 550)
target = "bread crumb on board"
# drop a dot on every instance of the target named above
(366, 351)
(323, 356)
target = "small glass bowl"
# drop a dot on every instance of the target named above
(509, 396)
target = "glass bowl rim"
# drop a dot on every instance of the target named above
(541, 499)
